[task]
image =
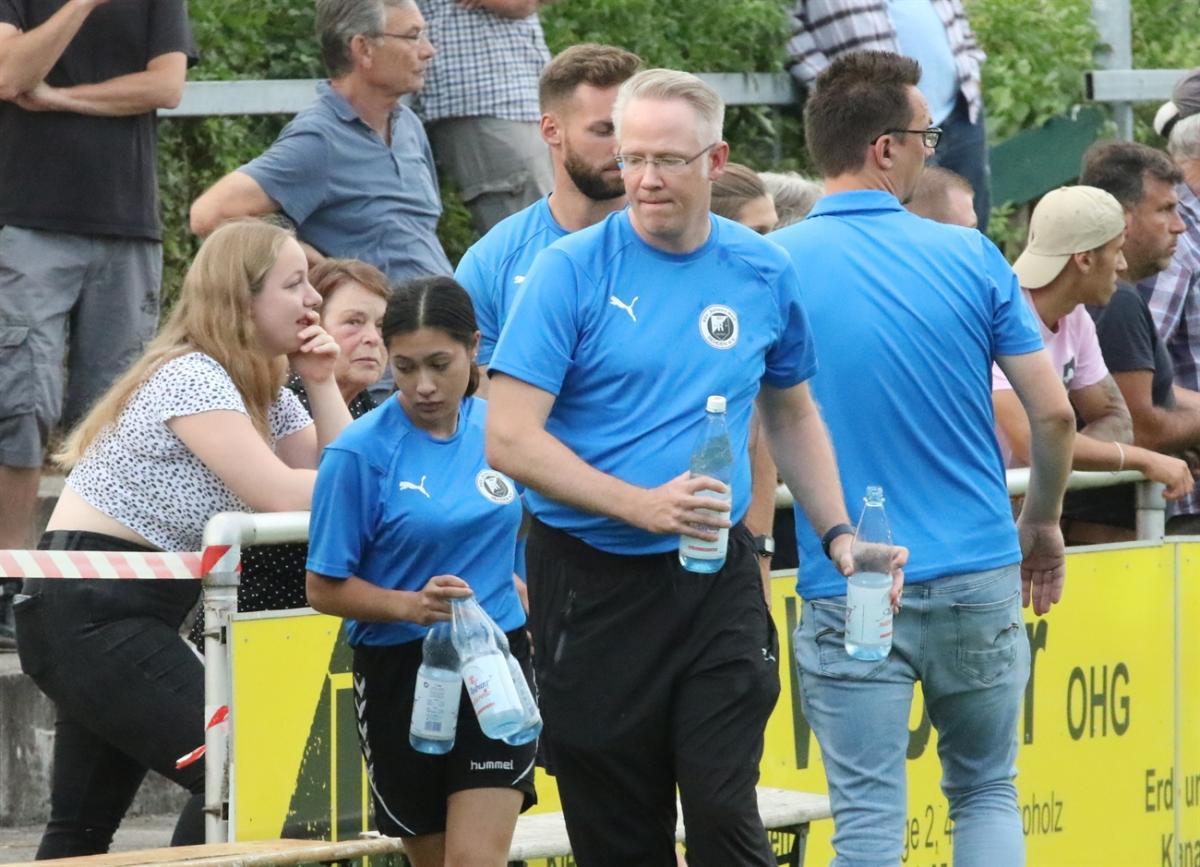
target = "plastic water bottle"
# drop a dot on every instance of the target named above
(868, 594)
(531, 724)
(485, 671)
(712, 457)
(438, 692)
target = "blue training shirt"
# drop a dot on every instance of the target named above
(631, 341)
(494, 268)
(395, 506)
(910, 314)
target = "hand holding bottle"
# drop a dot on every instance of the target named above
(679, 506)
(431, 603)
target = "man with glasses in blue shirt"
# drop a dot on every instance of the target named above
(353, 171)
(651, 676)
(910, 315)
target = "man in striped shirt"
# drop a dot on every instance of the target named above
(1174, 294)
(933, 32)
(480, 103)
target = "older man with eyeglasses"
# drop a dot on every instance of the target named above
(353, 171)
(653, 676)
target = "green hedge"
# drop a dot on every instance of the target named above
(1038, 51)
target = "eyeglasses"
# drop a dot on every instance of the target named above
(930, 137)
(414, 38)
(670, 165)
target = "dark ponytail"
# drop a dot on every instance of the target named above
(433, 302)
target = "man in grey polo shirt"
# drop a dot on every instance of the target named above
(354, 170)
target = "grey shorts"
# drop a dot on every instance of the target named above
(88, 299)
(500, 166)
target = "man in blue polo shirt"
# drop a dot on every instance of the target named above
(652, 676)
(910, 315)
(576, 92)
(354, 170)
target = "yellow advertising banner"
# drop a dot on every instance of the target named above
(1109, 767)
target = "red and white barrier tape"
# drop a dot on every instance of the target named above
(216, 718)
(165, 565)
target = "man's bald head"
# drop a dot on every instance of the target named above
(944, 196)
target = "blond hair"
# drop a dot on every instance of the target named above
(668, 84)
(212, 316)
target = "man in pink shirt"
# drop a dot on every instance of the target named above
(1071, 260)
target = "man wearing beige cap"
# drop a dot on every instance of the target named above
(1072, 260)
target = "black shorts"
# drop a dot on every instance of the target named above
(409, 788)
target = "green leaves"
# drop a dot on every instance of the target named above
(1038, 51)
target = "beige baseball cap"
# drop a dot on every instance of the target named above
(1066, 221)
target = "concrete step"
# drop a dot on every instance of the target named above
(26, 753)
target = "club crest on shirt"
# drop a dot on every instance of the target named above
(495, 487)
(719, 326)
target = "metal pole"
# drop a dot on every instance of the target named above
(1115, 51)
(1151, 511)
(222, 559)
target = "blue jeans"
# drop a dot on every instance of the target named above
(964, 151)
(963, 637)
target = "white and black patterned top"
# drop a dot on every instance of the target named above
(138, 472)
(486, 65)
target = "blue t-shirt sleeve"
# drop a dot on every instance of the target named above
(539, 339)
(792, 359)
(344, 504)
(293, 171)
(475, 277)
(1014, 330)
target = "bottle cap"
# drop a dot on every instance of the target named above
(716, 403)
(874, 494)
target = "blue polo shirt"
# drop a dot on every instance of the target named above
(631, 341)
(494, 268)
(910, 314)
(394, 506)
(350, 195)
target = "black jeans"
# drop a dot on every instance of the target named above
(128, 692)
(652, 677)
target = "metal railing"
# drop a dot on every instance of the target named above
(228, 532)
(219, 563)
(288, 96)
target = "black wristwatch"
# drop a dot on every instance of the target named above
(764, 546)
(832, 533)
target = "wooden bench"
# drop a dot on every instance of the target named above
(543, 835)
(253, 853)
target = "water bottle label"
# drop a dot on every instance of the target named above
(435, 705)
(489, 685)
(869, 610)
(703, 549)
